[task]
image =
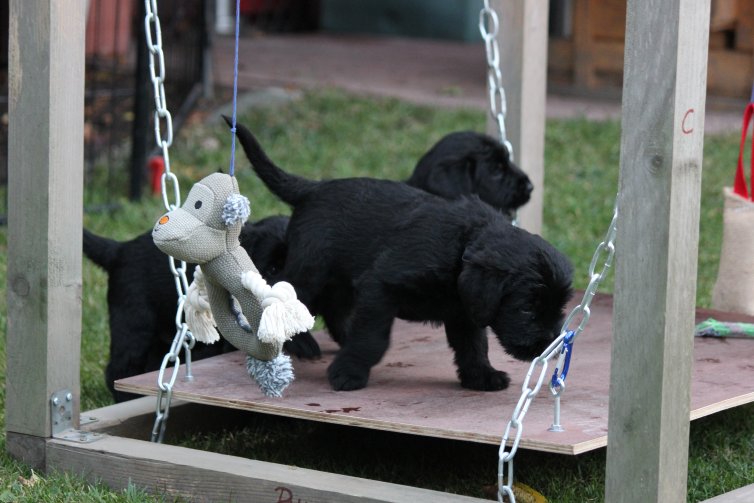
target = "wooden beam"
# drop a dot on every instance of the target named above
(206, 476)
(28, 449)
(522, 38)
(658, 230)
(741, 495)
(45, 144)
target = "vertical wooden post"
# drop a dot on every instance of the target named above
(523, 60)
(45, 144)
(583, 46)
(658, 230)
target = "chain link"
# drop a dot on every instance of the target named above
(489, 25)
(183, 340)
(607, 246)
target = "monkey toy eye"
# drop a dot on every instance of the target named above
(198, 205)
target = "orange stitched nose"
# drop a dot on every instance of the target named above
(164, 220)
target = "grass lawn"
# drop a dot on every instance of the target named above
(329, 134)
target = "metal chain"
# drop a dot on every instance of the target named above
(183, 340)
(607, 246)
(489, 26)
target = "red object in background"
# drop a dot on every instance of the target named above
(156, 168)
(108, 27)
(256, 6)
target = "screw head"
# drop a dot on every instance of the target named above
(55, 401)
(69, 397)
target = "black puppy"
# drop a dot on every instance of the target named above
(363, 251)
(467, 162)
(142, 299)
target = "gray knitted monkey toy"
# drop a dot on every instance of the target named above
(228, 291)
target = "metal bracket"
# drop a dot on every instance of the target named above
(61, 419)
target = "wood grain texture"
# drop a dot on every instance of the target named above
(522, 38)
(656, 262)
(29, 449)
(45, 186)
(741, 495)
(583, 47)
(415, 390)
(206, 477)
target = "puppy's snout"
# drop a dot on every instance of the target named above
(528, 187)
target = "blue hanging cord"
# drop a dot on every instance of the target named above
(558, 380)
(232, 168)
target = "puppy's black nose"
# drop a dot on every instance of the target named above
(528, 187)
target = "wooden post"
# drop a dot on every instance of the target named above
(658, 230)
(45, 144)
(523, 60)
(583, 46)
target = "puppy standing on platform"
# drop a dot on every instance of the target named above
(141, 292)
(362, 252)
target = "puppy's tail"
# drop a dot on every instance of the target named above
(290, 188)
(100, 250)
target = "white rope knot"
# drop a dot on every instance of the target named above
(283, 315)
(198, 312)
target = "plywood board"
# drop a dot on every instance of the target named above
(415, 390)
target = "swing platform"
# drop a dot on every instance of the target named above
(414, 389)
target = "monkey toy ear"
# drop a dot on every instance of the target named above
(236, 209)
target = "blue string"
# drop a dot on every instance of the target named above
(232, 169)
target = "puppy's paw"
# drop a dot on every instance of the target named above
(303, 346)
(345, 377)
(487, 379)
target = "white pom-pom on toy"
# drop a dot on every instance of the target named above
(236, 209)
(273, 376)
(198, 312)
(284, 315)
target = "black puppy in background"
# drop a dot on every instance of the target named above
(465, 163)
(362, 252)
(142, 299)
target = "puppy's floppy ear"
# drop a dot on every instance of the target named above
(481, 289)
(452, 176)
(556, 274)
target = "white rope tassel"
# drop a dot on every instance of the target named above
(198, 313)
(284, 315)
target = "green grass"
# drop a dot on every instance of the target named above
(329, 134)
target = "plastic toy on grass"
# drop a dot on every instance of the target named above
(715, 328)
